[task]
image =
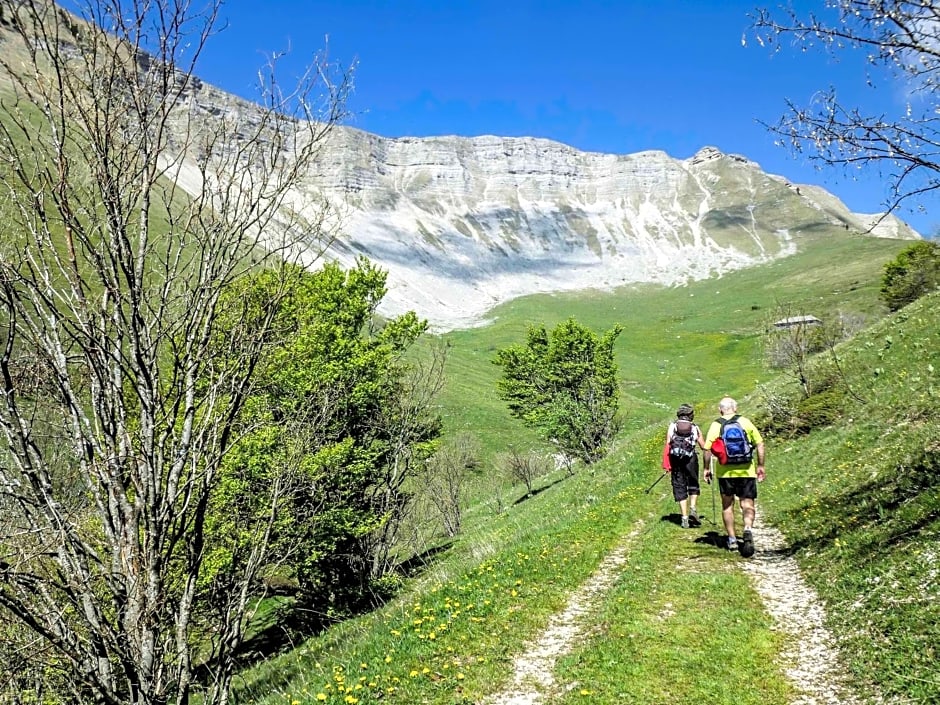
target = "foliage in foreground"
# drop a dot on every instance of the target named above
(335, 427)
(117, 406)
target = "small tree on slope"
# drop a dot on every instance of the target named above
(564, 385)
(915, 272)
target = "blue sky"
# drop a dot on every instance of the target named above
(615, 77)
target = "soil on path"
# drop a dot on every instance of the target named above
(810, 658)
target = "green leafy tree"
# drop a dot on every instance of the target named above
(910, 275)
(339, 421)
(564, 385)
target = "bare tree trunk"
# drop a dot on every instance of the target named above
(405, 421)
(110, 278)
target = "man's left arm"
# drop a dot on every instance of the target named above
(707, 454)
(758, 440)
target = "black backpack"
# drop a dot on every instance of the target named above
(682, 443)
(738, 447)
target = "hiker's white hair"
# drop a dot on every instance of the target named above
(727, 405)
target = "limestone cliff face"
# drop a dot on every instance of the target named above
(462, 224)
(465, 223)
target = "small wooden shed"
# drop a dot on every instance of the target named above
(797, 321)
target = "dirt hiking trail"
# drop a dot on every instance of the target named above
(810, 657)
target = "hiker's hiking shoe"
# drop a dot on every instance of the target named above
(747, 547)
(732, 543)
(685, 522)
(693, 517)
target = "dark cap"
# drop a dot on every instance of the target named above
(685, 412)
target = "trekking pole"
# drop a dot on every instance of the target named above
(712, 480)
(665, 472)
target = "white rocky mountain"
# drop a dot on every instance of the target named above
(462, 224)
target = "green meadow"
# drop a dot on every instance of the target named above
(855, 491)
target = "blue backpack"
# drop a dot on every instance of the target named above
(738, 447)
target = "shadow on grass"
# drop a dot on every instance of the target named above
(283, 633)
(414, 565)
(713, 538)
(538, 491)
(676, 518)
(290, 625)
(881, 514)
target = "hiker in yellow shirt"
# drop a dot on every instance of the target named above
(740, 455)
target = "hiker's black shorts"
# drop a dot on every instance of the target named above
(684, 477)
(740, 487)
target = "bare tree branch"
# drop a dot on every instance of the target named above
(902, 41)
(111, 277)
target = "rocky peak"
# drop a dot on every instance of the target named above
(464, 223)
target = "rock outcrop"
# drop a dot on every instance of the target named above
(462, 224)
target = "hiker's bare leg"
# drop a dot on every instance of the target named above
(727, 513)
(684, 507)
(747, 512)
(693, 500)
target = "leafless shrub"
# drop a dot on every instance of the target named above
(525, 467)
(446, 478)
(111, 278)
(410, 416)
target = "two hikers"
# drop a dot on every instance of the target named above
(740, 454)
(683, 438)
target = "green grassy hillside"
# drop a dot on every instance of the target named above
(856, 491)
(857, 498)
(688, 343)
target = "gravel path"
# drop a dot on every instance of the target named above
(534, 669)
(810, 658)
